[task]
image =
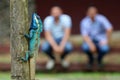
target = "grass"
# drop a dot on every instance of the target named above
(70, 76)
(79, 76)
(4, 75)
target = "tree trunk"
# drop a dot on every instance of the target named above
(19, 45)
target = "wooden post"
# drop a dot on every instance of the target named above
(19, 45)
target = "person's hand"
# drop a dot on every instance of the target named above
(61, 49)
(92, 48)
(58, 49)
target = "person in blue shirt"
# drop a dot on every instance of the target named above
(57, 28)
(96, 31)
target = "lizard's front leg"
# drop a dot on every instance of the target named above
(27, 36)
(31, 54)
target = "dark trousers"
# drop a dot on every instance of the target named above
(101, 50)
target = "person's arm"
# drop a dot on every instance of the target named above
(90, 43)
(108, 27)
(65, 38)
(50, 39)
(86, 38)
(67, 24)
(108, 33)
(48, 35)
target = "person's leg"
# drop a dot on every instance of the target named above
(46, 48)
(103, 49)
(86, 49)
(67, 50)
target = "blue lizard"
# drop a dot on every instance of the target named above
(33, 37)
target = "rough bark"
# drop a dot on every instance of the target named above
(19, 45)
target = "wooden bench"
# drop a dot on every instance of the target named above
(40, 67)
(79, 67)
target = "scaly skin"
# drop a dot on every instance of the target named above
(33, 37)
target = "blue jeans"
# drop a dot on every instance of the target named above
(101, 50)
(46, 48)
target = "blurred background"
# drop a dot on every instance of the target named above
(76, 9)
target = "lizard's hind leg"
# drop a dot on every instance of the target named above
(31, 54)
(26, 57)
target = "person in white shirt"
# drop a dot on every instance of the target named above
(96, 32)
(57, 28)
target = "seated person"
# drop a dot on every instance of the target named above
(57, 28)
(96, 31)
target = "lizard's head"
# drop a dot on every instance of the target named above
(36, 22)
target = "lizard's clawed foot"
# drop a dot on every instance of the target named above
(24, 59)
